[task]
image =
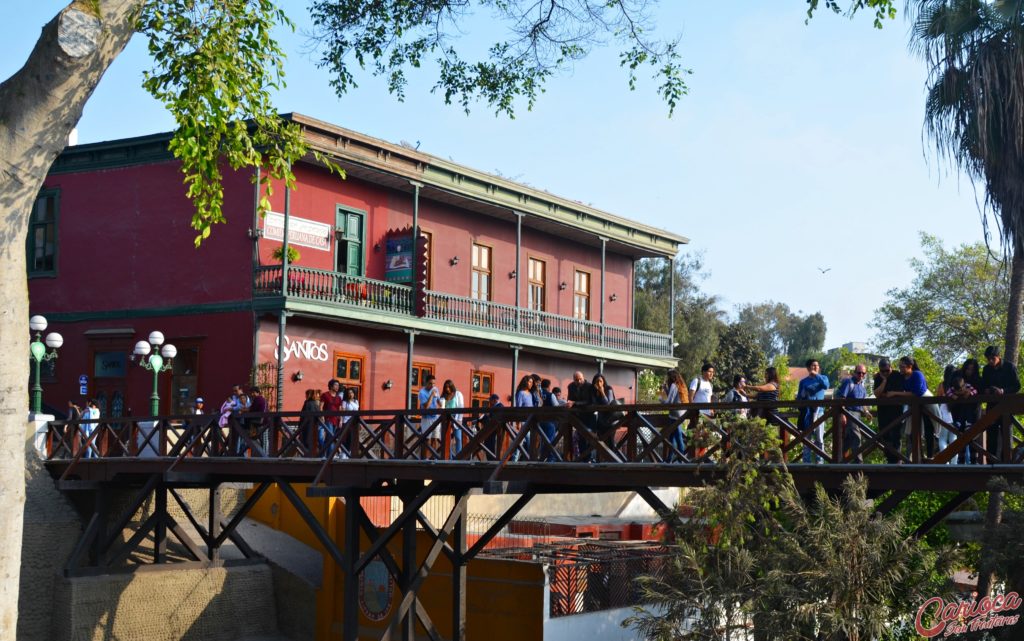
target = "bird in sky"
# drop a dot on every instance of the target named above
(824, 270)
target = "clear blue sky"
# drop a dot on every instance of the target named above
(799, 146)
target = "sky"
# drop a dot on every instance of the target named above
(798, 148)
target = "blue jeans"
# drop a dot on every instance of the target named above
(456, 435)
(87, 430)
(678, 440)
(323, 431)
(817, 436)
(549, 429)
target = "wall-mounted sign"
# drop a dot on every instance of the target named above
(307, 349)
(398, 260)
(376, 588)
(301, 231)
(109, 365)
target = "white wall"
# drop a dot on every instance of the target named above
(592, 626)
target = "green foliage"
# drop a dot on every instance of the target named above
(839, 363)
(293, 254)
(755, 553)
(649, 386)
(391, 37)
(929, 367)
(884, 9)
(215, 64)
(806, 337)
(919, 507)
(738, 353)
(974, 110)
(780, 331)
(954, 306)
(770, 323)
(787, 388)
(699, 320)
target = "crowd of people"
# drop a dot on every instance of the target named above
(959, 385)
(942, 422)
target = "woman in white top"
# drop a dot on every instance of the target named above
(453, 399)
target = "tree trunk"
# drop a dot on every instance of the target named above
(1011, 351)
(1013, 312)
(39, 105)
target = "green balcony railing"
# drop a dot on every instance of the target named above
(333, 287)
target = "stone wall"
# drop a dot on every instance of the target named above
(216, 604)
(233, 603)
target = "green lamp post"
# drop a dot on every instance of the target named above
(160, 360)
(39, 354)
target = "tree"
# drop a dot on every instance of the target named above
(974, 114)
(755, 553)
(214, 66)
(770, 322)
(835, 363)
(738, 353)
(779, 331)
(699, 320)
(806, 337)
(954, 306)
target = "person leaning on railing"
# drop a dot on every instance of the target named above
(765, 392)
(887, 382)
(915, 384)
(853, 388)
(998, 378)
(311, 423)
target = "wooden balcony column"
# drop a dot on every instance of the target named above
(604, 247)
(519, 268)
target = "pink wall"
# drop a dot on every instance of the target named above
(125, 241)
(453, 232)
(224, 343)
(384, 355)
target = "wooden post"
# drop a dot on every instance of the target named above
(160, 533)
(408, 567)
(459, 574)
(213, 550)
(915, 431)
(838, 434)
(350, 624)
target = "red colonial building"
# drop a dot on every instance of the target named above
(505, 279)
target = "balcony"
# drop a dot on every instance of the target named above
(334, 287)
(366, 293)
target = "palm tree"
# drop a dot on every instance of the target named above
(974, 113)
(975, 116)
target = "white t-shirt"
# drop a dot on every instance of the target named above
(700, 390)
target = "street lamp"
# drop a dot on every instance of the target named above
(39, 354)
(155, 362)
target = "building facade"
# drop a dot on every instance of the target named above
(504, 280)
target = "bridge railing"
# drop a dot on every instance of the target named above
(833, 431)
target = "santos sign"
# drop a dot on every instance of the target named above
(307, 349)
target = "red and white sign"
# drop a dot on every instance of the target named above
(301, 231)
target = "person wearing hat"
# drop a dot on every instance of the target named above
(887, 381)
(199, 405)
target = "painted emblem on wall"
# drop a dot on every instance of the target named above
(375, 590)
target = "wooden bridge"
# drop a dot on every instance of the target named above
(527, 451)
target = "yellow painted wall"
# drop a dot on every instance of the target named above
(504, 599)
